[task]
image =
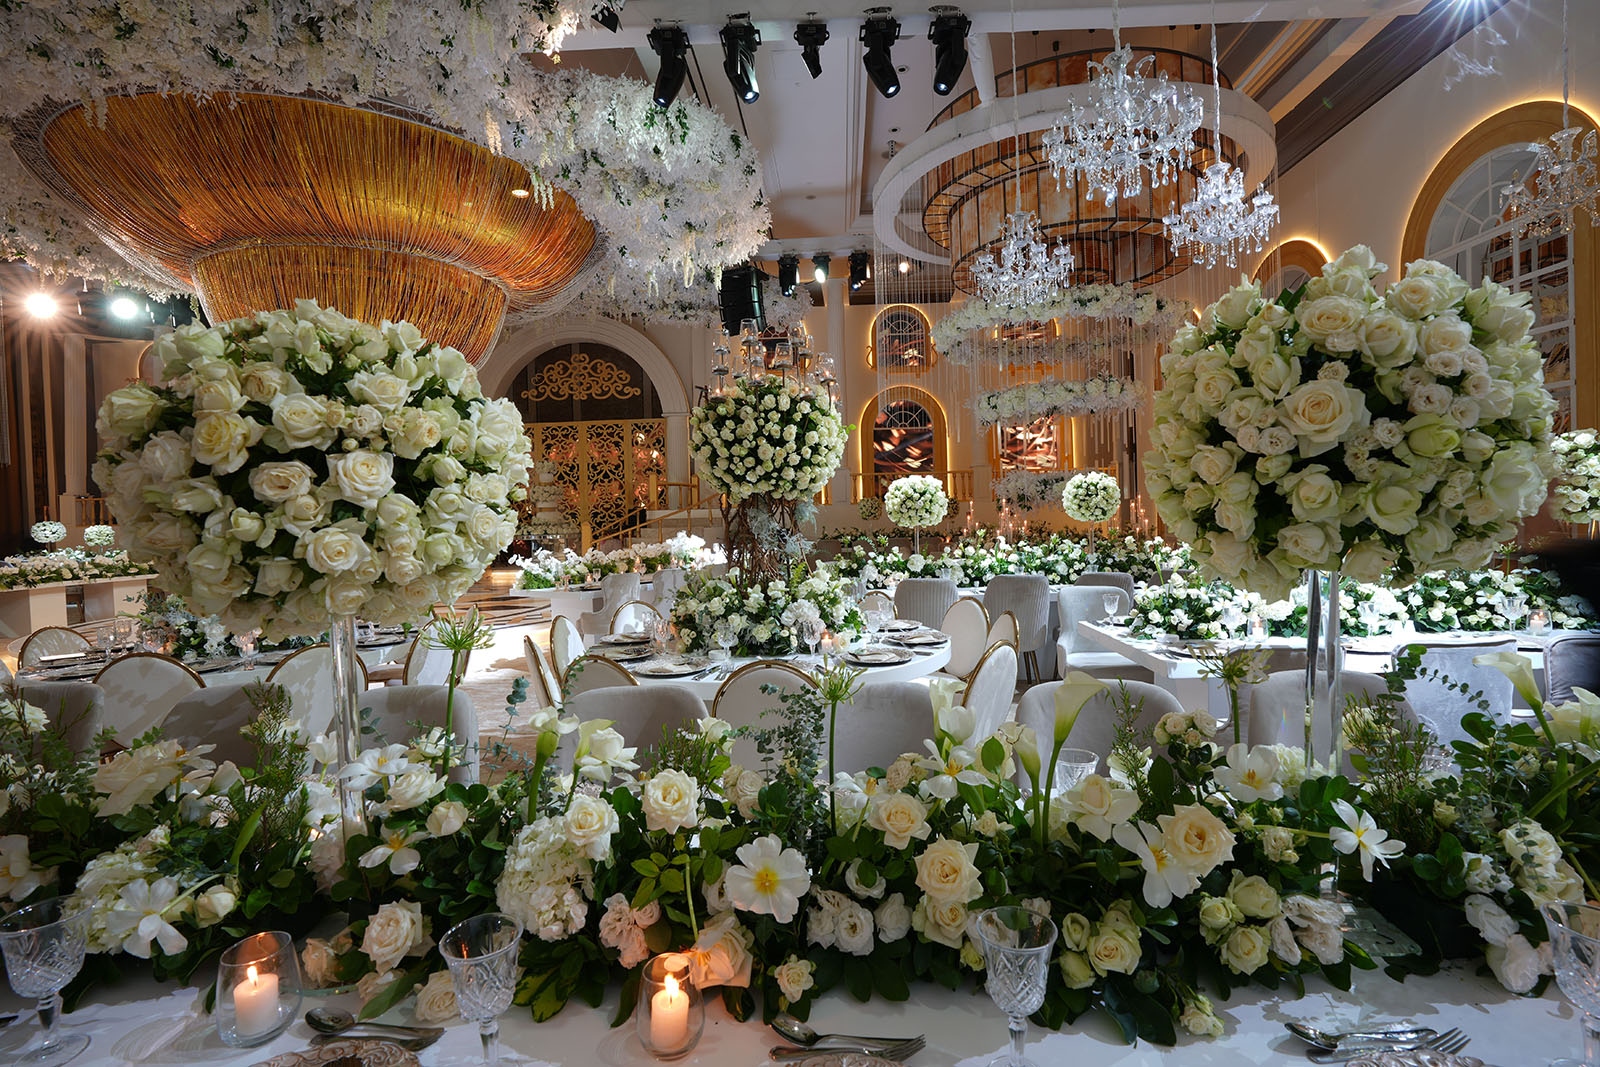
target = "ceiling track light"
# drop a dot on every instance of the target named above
(819, 267)
(124, 307)
(859, 269)
(788, 273)
(41, 305)
(671, 43)
(607, 17)
(878, 35)
(740, 39)
(949, 36)
(811, 36)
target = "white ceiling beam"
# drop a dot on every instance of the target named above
(1311, 70)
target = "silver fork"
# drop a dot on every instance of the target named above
(901, 1051)
(1450, 1041)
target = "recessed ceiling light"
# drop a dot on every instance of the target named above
(41, 305)
(519, 193)
(905, 266)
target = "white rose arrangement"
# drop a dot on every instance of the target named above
(1188, 613)
(916, 501)
(1337, 429)
(1577, 486)
(767, 437)
(1093, 496)
(298, 465)
(100, 536)
(761, 618)
(47, 532)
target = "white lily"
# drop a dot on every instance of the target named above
(1251, 774)
(1361, 834)
(140, 918)
(1164, 878)
(395, 845)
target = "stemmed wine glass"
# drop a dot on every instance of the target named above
(1575, 951)
(482, 955)
(1516, 604)
(44, 951)
(810, 633)
(1073, 765)
(1112, 602)
(1016, 945)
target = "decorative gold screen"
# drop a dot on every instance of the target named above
(604, 469)
(582, 377)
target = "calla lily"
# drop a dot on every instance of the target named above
(955, 721)
(1071, 695)
(1519, 669)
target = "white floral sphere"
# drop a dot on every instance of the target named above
(1577, 486)
(916, 501)
(298, 465)
(1341, 429)
(100, 536)
(47, 532)
(767, 437)
(1093, 496)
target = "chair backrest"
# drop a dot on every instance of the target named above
(1120, 579)
(878, 600)
(141, 689)
(1086, 603)
(307, 676)
(884, 720)
(77, 709)
(428, 661)
(640, 713)
(393, 709)
(968, 626)
(596, 672)
(1442, 707)
(924, 599)
(1096, 728)
(214, 716)
(993, 686)
(618, 589)
(1572, 660)
(50, 641)
(566, 644)
(1003, 628)
(635, 616)
(740, 701)
(664, 588)
(1027, 596)
(540, 690)
(1276, 709)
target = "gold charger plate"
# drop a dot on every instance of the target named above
(346, 1054)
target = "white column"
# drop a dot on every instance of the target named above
(678, 459)
(75, 429)
(837, 296)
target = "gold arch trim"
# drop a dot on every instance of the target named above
(582, 377)
(874, 485)
(1297, 252)
(930, 355)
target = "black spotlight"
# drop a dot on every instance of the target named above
(949, 36)
(670, 43)
(811, 36)
(608, 18)
(819, 267)
(739, 41)
(878, 35)
(788, 273)
(740, 297)
(858, 269)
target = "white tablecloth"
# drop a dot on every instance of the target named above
(706, 685)
(141, 1023)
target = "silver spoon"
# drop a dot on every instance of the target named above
(801, 1034)
(1324, 1039)
(334, 1021)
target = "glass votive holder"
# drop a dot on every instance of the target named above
(258, 989)
(1539, 621)
(671, 1012)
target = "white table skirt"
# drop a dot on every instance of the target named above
(155, 1026)
(706, 686)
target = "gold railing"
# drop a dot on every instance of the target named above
(957, 484)
(93, 511)
(704, 510)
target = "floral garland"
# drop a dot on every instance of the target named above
(763, 619)
(916, 501)
(696, 304)
(983, 347)
(1186, 612)
(1139, 306)
(766, 437)
(47, 532)
(675, 191)
(1093, 496)
(1029, 490)
(547, 569)
(1477, 601)
(299, 465)
(1101, 394)
(1577, 487)
(66, 565)
(1341, 430)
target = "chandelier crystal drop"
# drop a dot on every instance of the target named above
(1563, 179)
(1027, 271)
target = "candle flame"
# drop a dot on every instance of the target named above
(672, 986)
(251, 973)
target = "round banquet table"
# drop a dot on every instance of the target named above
(229, 671)
(141, 1022)
(574, 601)
(705, 686)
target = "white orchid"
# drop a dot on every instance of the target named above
(143, 913)
(397, 847)
(1165, 879)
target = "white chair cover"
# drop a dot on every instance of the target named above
(1027, 596)
(214, 716)
(307, 676)
(994, 685)
(393, 709)
(884, 720)
(635, 616)
(428, 662)
(1074, 652)
(878, 600)
(1573, 660)
(1441, 707)
(664, 588)
(1096, 728)
(924, 599)
(741, 702)
(50, 641)
(640, 713)
(596, 672)
(1119, 579)
(1276, 709)
(566, 644)
(76, 709)
(140, 691)
(968, 626)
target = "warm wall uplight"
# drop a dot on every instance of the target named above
(41, 305)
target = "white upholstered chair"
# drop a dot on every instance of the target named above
(50, 641)
(635, 616)
(76, 709)
(877, 600)
(307, 676)
(566, 645)
(740, 700)
(141, 689)
(884, 720)
(924, 599)
(595, 672)
(990, 692)
(1096, 727)
(1074, 652)
(1027, 596)
(396, 711)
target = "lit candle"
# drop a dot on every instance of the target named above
(669, 1017)
(1538, 620)
(255, 1003)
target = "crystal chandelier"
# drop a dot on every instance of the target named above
(1563, 178)
(1218, 224)
(1136, 121)
(1027, 270)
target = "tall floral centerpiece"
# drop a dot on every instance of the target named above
(48, 532)
(768, 446)
(914, 502)
(1091, 497)
(298, 468)
(1339, 429)
(1577, 486)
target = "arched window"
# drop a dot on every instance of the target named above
(907, 436)
(1289, 266)
(900, 340)
(1035, 446)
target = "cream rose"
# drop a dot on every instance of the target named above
(335, 549)
(130, 411)
(362, 477)
(589, 824)
(1255, 897)
(318, 961)
(1114, 950)
(1321, 413)
(892, 918)
(945, 871)
(1444, 333)
(448, 817)
(436, 1000)
(1196, 839)
(1245, 950)
(945, 923)
(280, 480)
(900, 817)
(1332, 322)
(380, 389)
(304, 421)
(222, 439)
(794, 977)
(671, 801)
(395, 931)
(1386, 339)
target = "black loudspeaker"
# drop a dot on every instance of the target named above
(741, 297)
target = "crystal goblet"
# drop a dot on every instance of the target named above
(1073, 765)
(43, 950)
(1575, 951)
(1017, 943)
(482, 955)
(1112, 602)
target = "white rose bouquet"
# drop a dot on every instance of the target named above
(47, 532)
(100, 536)
(1092, 496)
(767, 438)
(1577, 487)
(1188, 613)
(761, 619)
(298, 465)
(916, 501)
(1337, 429)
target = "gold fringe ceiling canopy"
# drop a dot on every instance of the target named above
(255, 201)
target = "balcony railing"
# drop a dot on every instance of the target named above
(957, 484)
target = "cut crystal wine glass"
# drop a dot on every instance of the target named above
(44, 951)
(1575, 951)
(1016, 945)
(482, 955)
(1073, 765)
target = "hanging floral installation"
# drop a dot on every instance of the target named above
(1093, 396)
(961, 332)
